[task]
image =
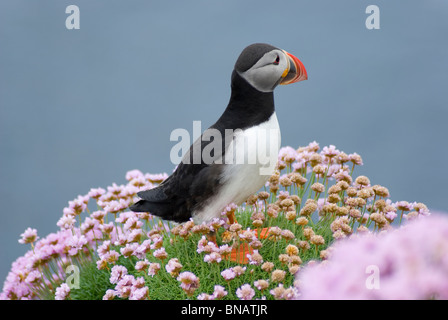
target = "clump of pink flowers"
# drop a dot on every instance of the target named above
(311, 207)
(408, 263)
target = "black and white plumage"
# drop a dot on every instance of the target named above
(202, 189)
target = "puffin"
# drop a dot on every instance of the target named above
(235, 156)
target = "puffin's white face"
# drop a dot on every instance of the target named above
(273, 68)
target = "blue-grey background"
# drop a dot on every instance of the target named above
(79, 108)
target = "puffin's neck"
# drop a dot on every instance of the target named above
(247, 106)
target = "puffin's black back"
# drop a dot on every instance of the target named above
(192, 185)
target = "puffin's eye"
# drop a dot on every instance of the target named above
(276, 62)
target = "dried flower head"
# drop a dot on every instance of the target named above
(343, 185)
(239, 270)
(380, 191)
(255, 258)
(252, 200)
(292, 250)
(318, 187)
(295, 260)
(283, 258)
(333, 198)
(317, 240)
(308, 209)
(362, 181)
(308, 232)
(261, 284)
(278, 275)
(298, 179)
(355, 159)
(365, 193)
(302, 221)
(263, 195)
(291, 215)
(319, 169)
(235, 227)
(285, 182)
(267, 267)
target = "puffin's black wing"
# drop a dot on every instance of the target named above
(189, 188)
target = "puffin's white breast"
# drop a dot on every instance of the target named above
(250, 161)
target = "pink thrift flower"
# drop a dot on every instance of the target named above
(134, 174)
(157, 178)
(287, 154)
(135, 235)
(213, 257)
(403, 205)
(219, 292)
(355, 158)
(29, 236)
(110, 295)
(160, 254)
(255, 258)
(139, 293)
(157, 243)
(129, 249)
(142, 265)
(89, 224)
(77, 206)
(103, 248)
(330, 151)
(66, 222)
(117, 273)
(205, 296)
(76, 243)
(407, 263)
(153, 269)
(107, 227)
(124, 286)
(313, 146)
(96, 193)
(245, 292)
(143, 249)
(111, 256)
(216, 223)
(33, 277)
(189, 282)
(229, 209)
(228, 274)
(225, 250)
(62, 292)
(173, 266)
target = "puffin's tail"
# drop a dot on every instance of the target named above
(153, 201)
(155, 208)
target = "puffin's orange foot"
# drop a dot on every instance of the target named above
(264, 233)
(239, 254)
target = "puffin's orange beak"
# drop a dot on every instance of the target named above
(295, 72)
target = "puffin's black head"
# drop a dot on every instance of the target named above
(265, 66)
